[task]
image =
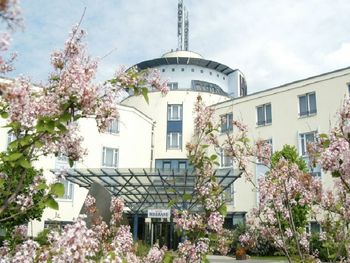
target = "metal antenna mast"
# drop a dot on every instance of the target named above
(182, 26)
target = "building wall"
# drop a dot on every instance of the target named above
(157, 110)
(134, 152)
(286, 126)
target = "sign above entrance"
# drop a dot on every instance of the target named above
(159, 213)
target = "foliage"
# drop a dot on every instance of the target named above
(204, 231)
(141, 248)
(289, 153)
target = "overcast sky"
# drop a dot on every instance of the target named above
(272, 42)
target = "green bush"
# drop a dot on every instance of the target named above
(142, 248)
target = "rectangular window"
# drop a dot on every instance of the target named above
(113, 127)
(174, 140)
(166, 165)
(173, 85)
(174, 112)
(307, 104)
(182, 166)
(68, 190)
(225, 159)
(314, 227)
(264, 115)
(305, 139)
(348, 89)
(226, 122)
(110, 157)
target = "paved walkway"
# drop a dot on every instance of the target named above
(223, 259)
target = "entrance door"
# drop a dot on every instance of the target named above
(161, 233)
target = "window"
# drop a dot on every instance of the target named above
(217, 75)
(307, 104)
(174, 140)
(238, 218)
(192, 69)
(225, 159)
(110, 157)
(210, 73)
(113, 127)
(202, 71)
(166, 165)
(226, 122)
(174, 112)
(11, 137)
(305, 139)
(223, 78)
(172, 85)
(182, 69)
(264, 116)
(172, 69)
(314, 227)
(182, 165)
(163, 70)
(68, 190)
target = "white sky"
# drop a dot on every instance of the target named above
(272, 42)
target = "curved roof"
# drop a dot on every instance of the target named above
(185, 61)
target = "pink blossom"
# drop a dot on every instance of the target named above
(215, 221)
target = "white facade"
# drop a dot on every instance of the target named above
(287, 125)
(132, 149)
(147, 134)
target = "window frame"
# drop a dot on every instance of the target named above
(308, 107)
(115, 159)
(170, 112)
(226, 122)
(266, 121)
(68, 191)
(225, 160)
(303, 142)
(169, 141)
(110, 129)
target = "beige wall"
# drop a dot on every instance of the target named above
(330, 90)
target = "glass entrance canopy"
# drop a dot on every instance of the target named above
(150, 188)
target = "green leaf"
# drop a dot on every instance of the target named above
(336, 174)
(50, 202)
(40, 126)
(57, 189)
(323, 136)
(41, 186)
(223, 210)
(213, 157)
(25, 140)
(186, 197)
(326, 143)
(13, 145)
(24, 163)
(61, 127)
(4, 114)
(145, 94)
(14, 157)
(65, 117)
(50, 126)
(172, 202)
(38, 144)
